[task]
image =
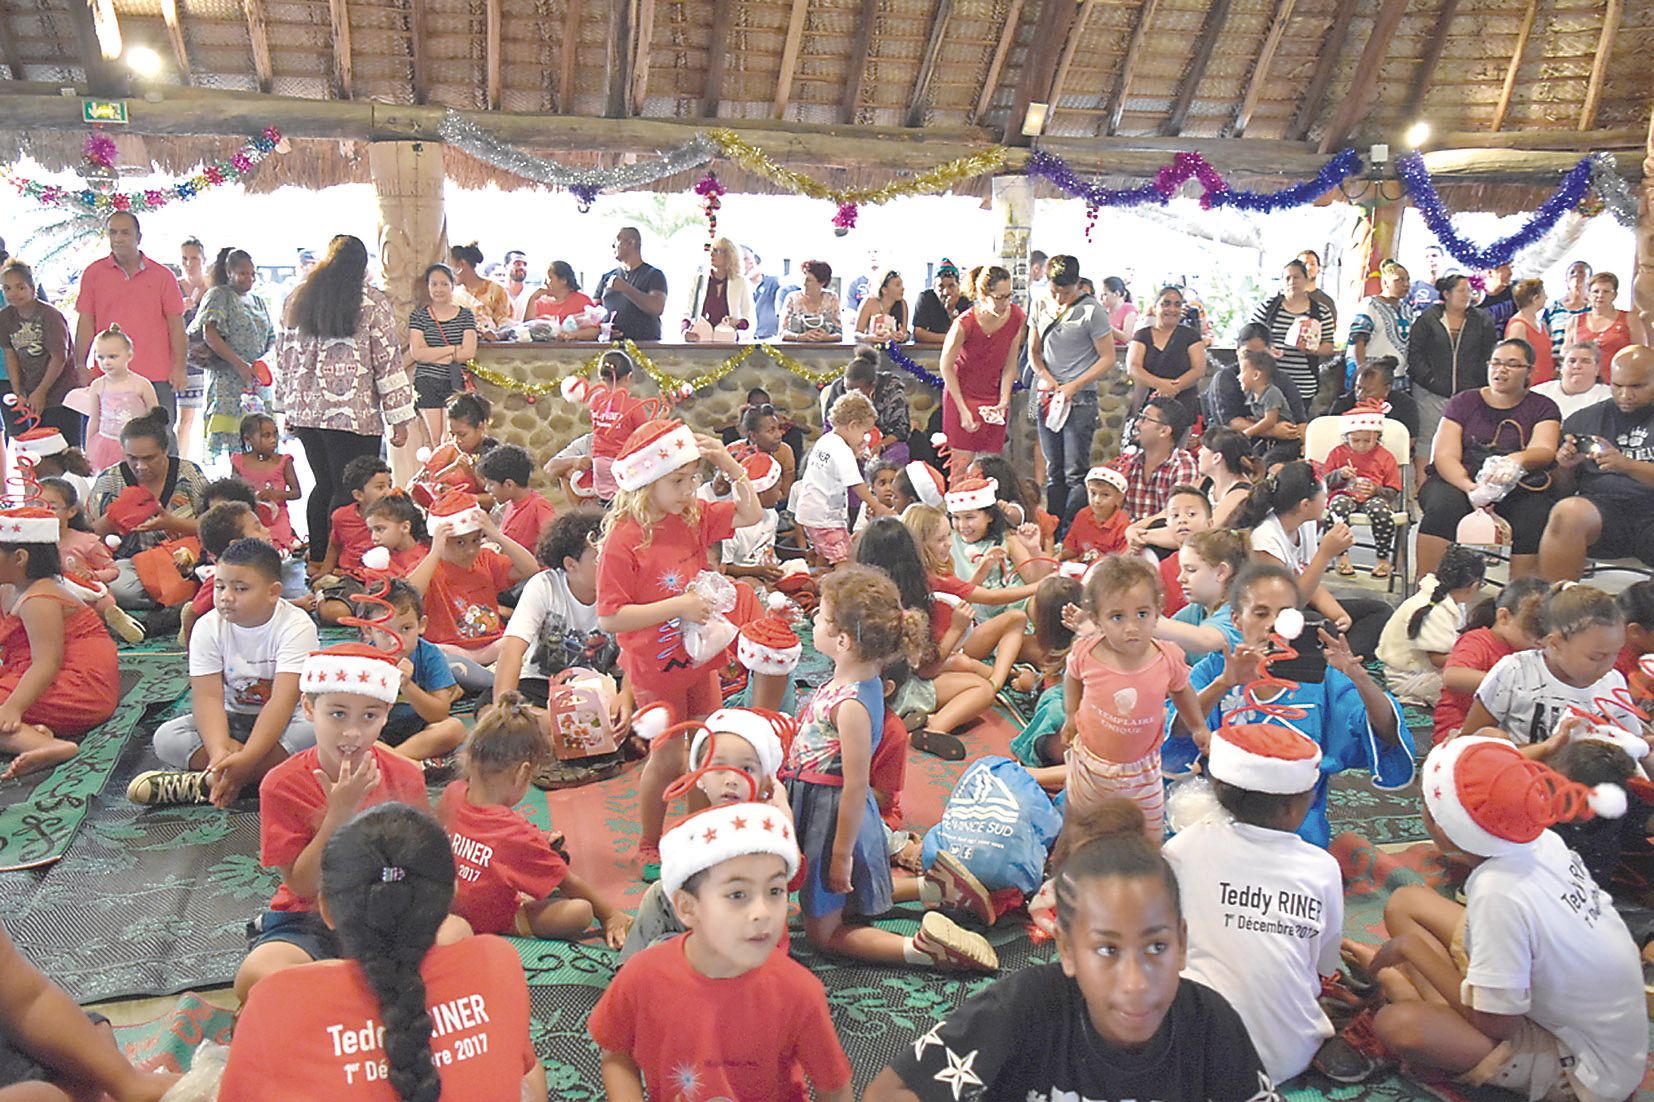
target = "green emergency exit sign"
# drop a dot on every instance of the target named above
(103, 110)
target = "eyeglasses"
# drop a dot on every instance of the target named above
(1147, 420)
(1006, 297)
(1508, 363)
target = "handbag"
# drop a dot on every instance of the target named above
(1477, 454)
(167, 570)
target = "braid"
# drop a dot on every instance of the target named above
(1458, 568)
(400, 988)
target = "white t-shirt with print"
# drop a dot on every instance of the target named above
(1271, 536)
(1545, 942)
(753, 545)
(830, 471)
(250, 658)
(548, 605)
(1266, 916)
(1527, 700)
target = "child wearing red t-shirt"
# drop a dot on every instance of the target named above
(505, 472)
(461, 581)
(409, 1012)
(348, 690)
(616, 415)
(657, 538)
(338, 576)
(397, 524)
(1362, 477)
(760, 1025)
(512, 879)
(1100, 528)
(1494, 628)
(1637, 601)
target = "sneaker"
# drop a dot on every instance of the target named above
(1353, 1055)
(159, 787)
(960, 890)
(440, 769)
(953, 948)
(650, 855)
(123, 625)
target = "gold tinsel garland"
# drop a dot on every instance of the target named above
(671, 388)
(940, 178)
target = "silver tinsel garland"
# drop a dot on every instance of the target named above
(1614, 192)
(583, 183)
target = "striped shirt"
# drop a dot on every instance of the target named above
(1296, 364)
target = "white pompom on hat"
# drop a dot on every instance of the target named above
(768, 645)
(352, 668)
(754, 727)
(654, 451)
(457, 513)
(1109, 475)
(927, 483)
(40, 442)
(29, 524)
(1264, 757)
(1491, 801)
(718, 834)
(972, 492)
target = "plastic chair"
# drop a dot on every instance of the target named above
(1322, 435)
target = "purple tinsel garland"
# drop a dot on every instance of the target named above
(1565, 198)
(1215, 190)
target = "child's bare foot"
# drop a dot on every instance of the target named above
(55, 752)
(1359, 956)
(911, 855)
(1025, 678)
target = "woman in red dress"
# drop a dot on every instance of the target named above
(60, 677)
(1610, 328)
(979, 364)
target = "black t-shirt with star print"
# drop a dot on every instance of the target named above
(1029, 1037)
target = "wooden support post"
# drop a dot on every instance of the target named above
(927, 63)
(996, 64)
(1216, 16)
(1069, 49)
(1260, 65)
(1599, 64)
(175, 35)
(1365, 80)
(1380, 244)
(339, 12)
(789, 58)
(723, 17)
(1642, 287)
(420, 55)
(1332, 48)
(1432, 57)
(641, 49)
(617, 62)
(571, 46)
(1128, 68)
(1056, 18)
(493, 18)
(258, 38)
(1509, 88)
(102, 77)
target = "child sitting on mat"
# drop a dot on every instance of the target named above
(760, 1024)
(419, 726)
(337, 577)
(512, 879)
(397, 524)
(59, 677)
(348, 690)
(84, 554)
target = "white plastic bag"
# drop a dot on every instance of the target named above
(705, 642)
(1497, 478)
(200, 1083)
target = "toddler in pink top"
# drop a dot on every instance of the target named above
(1115, 690)
(84, 557)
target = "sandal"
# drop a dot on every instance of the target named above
(1345, 567)
(1381, 569)
(940, 744)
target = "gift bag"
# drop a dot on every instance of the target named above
(705, 642)
(168, 570)
(579, 706)
(131, 507)
(999, 823)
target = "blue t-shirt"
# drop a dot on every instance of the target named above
(430, 667)
(1223, 619)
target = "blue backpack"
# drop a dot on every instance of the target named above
(999, 823)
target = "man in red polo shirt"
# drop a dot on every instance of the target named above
(140, 295)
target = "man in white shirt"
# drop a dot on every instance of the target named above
(516, 283)
(1579, 383)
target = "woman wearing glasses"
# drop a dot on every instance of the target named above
(979, 364)
(1167, 359)
(1502, 418)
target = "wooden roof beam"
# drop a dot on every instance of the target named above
(1116, 105)
(416, 48)
(338, 13)
(789, 58)
(642, 46)
(927, 64)
(102, 77)
(996, 64)
(1332, 48)
(1509, 88)
(1069, 48)
(723, 18)
(617, 59)
(492, 18)
(8, 50)
(1260, 66)
(1216, 16)
(571, 46)
(175, 35)
(1358, 98)
(1432, 57)
(1599, 64)
(1039, 69)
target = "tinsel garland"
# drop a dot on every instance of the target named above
(1566, 197)
(92, 201)
(1614, 192)
(940, 178)
(585, 184)
(919, 371)
(1215, 190)
(672, 388)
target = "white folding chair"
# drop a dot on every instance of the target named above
(1322, 435)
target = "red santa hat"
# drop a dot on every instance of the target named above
(744, 723)
(927, 483)
(581, 483)
(1264, 757)
(1364, 417)
(28, 524)
(40, 442)
(353, 668)
(1490, 801)
(1109, 475)
(763, 471)
(972, 492)
(718, 834)
(457, 513)
(768, 645)
(654, 451)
